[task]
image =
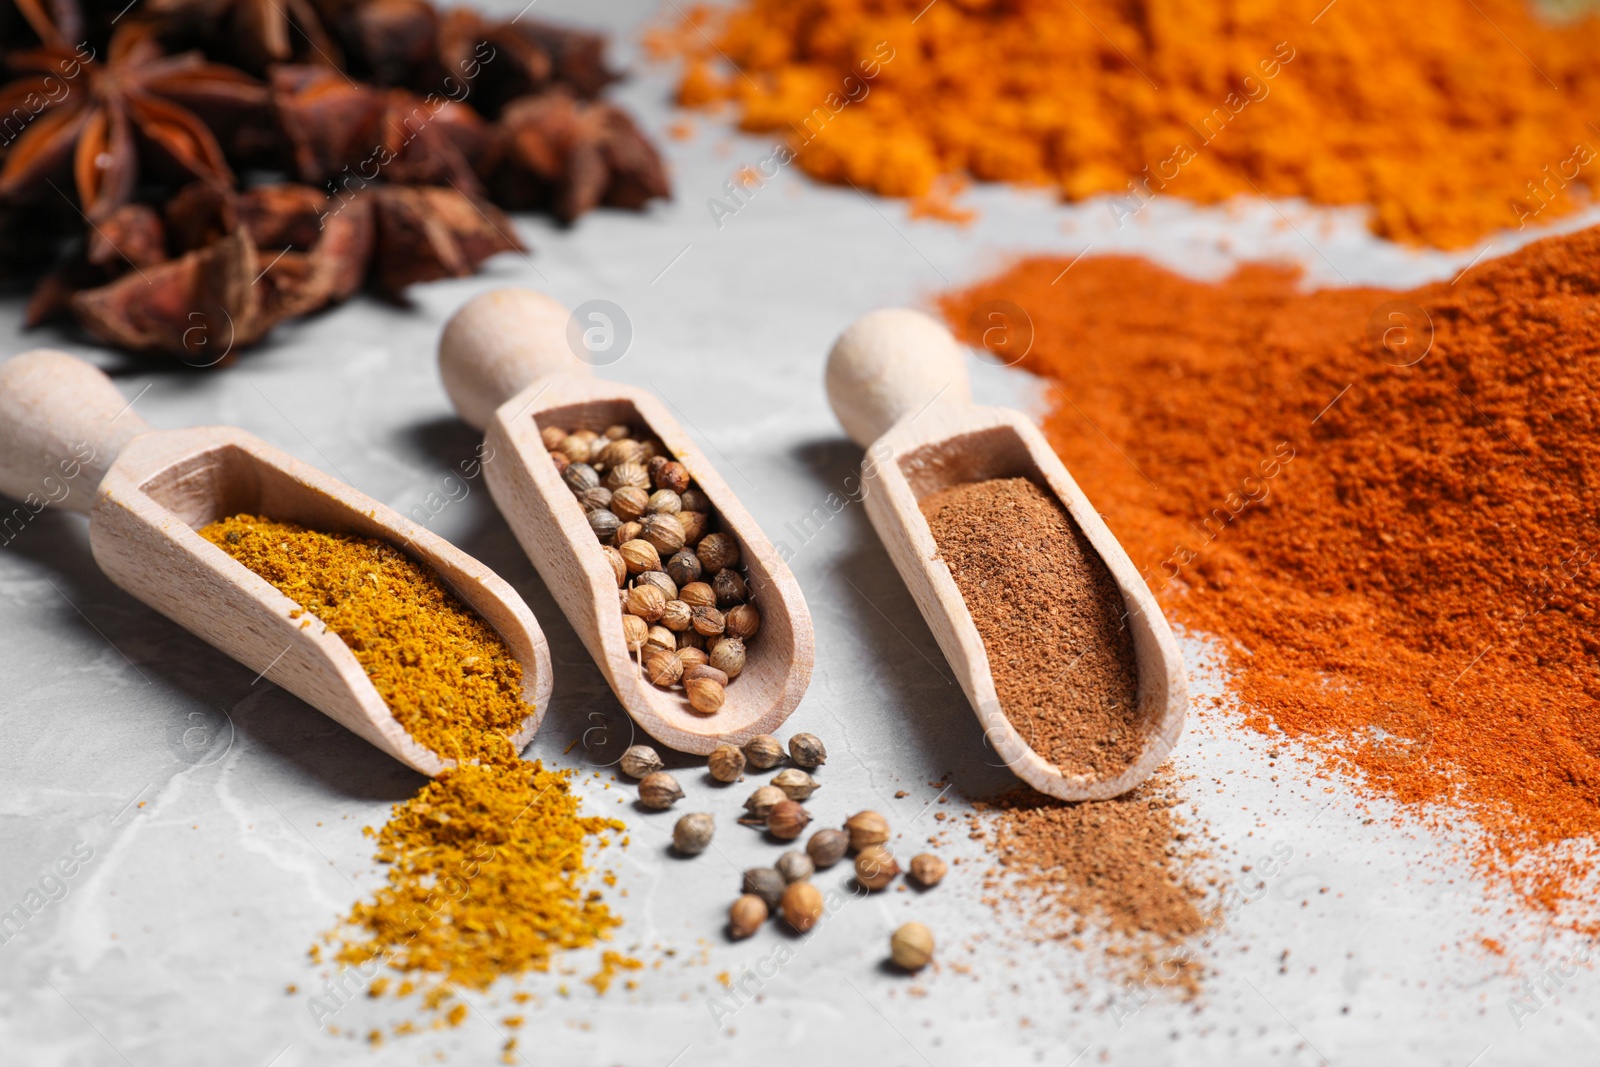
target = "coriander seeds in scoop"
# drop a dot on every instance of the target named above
(685, 605)
(148, 492)
(946, 480)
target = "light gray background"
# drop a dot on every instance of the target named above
(225, 817)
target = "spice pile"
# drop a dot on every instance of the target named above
(1379, 502)
(1051, 619)
(375, 135)
(684, 599)
(488, 874)
(1199, 101)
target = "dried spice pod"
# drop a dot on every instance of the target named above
(692, 834)
(828, 847)
(795, 866)
(802, 906)
(787, 820)
(807, 751)
(928, 869)
(866, 828)
(763, 800)
(764, 752)
(659, 790)
(795, 783)
(746, 915)
(725, 762)
(639, 761)
(765, 884)
(911, 946)
(876, 866)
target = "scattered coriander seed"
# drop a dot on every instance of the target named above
(706, 695)
(787, 820)
(745, 916)
(807, 750)
(927, 869)
(763, 751)
(684, 567)
(629, 503)
(802, 905)
(911, 946)
(647, 602)
(672, 475)
(763, 800)
(693, 524)
(640, 556)
(728, 656)
(691, 656)
(665, 502)
(730, 588)
(795, 783)
(716, 551)
(697, 595)
(552, 436)
(741, 621)
(579, 476)
(659, 790)
(828, 847)
(726, 762)
(866, 828)
(663, 668)
(619, 566)
(692, 834)
(627, 474)
(707, 671)
(677, 615)
(639, 761)
(635, 631)
(765, 884)
(695, 500)
(663, 532)
(876, 866)
(795, 866)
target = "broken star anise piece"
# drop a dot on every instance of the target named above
(427, 232)
(565, 156)
(255, 34)
(125, 115)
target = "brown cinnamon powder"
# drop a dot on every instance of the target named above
(1051, 618)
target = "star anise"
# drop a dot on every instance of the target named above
(565, 156)
(114, 117)
(49, 22)
(252, 33)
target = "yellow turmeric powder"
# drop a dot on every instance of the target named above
(1457, 121)
(487, 863)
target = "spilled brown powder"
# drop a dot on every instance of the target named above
(1051, 618)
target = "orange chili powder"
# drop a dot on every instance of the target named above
(1382, 504)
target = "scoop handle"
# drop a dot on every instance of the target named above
(62, 423)
(498, 343)
(892, 364)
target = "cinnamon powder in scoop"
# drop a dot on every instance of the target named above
(1051, 618)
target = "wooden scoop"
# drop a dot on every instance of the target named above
(897, 381)
(67, 436)
(508, 366)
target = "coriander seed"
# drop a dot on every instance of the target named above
(661, 639)
(802, 906)
(576, 448)
(552, 436)
(716, 551)
(663, 532)
(730, 588)
(742, 621)
(639, 761)
(795, 783)
(695, 500)
(663, 668)
(628, 531)
(579, 476)
(746, 915)
(620, 451)
(684, 567)
(693, 524)
(641, 556)
(807, 750)
(690, 639)
(560, 461)
(603, 524)
(629, 503)
(635, 631)
(619, 566)
(763, 800)
(672, 475)
(827, 847)
(707, 671)
(647, 602)
(911, 946)
(627, 474)
(876, 866)
(725, 762)
(728, 656)
(659, 790)
(765, 883)
(866, 828)
(795, 866)
(787, 820)
(615, 432)
(927, 869)
(706, 695)
(677, 616)
(691, 656)
(697, 595)
(596, 498)
(763, 751)
(665, 502)
(692, 834)
(660, 580)
(708, 622)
